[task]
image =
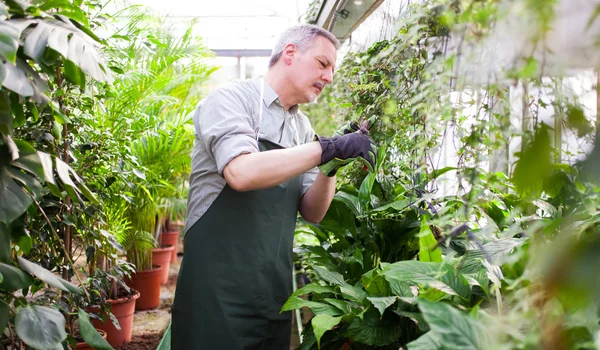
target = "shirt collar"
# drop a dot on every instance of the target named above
(270, 96)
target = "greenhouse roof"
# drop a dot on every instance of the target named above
(235, 25)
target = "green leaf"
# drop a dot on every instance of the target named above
(340, 304)
(4, 244)
(428, 341)
(17, 80)
(318, 308)
(14, 201)
(364, 193)
(90, 334)
(37, 40)
(313, 288)
(400, 288)
(428, 246)
(577, 120)
(6, 118)
(436, 275)
(535, 163)
(454, 328)
(330, 276)
(74, 74)
(353, 293)
(372, 330)
(322, 324)
(9, 41)
(48, 277)
(375, 284)
(29, 159)
(14, 278)
(4, 314)
(3, 12)
(382, 303)
(339, 218)
(40, 327)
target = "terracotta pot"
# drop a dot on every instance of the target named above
(162, 257)
(84, 346)
(123, 310)
(148, 284)
(170, 238)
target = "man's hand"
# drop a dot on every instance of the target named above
(331, 167)
(340, 150)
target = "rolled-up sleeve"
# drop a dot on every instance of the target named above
(224, 125)
(309, 177)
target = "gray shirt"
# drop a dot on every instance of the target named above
(226, 125)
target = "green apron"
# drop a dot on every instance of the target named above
(236, 272)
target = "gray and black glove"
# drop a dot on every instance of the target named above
(340, 150)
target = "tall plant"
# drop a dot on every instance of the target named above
(159, 87)
(49, 52)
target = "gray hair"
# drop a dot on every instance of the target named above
(303, 37)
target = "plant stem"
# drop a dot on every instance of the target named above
(62, 246)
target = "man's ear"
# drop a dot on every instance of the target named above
(288, 53)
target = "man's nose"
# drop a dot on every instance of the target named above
(328, 76)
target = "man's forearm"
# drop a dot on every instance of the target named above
(315, 202)
(255, 171)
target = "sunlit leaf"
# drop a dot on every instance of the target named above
(40, 327)
(323, 323)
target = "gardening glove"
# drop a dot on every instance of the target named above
(330, 168)
(341, 150)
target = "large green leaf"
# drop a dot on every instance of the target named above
(343, 305)
(323, 323)
(440, 276)
(382, 303)
(364, 193)
(90, 334)
(353, 293)
(14, 278)
(17, 80)
(313, 288)
(4, 315)
(454, 328)
(40, 327)
(375, 284)
(6, 117)
(372, 330)
(9, 41)
(330, 276)
(428, 246)
(339, 218)
(4, 243)
(428, 341)
(294, 303)
(48, 277)
(37, 40)
(535, 162)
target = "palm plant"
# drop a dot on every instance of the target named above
(149, 118)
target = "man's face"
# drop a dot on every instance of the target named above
(313, 68)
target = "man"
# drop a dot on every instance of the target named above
(254, 166)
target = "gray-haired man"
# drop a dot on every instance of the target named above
(254, 167)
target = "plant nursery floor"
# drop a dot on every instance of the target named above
(149, 326)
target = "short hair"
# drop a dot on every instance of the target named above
(303, 37)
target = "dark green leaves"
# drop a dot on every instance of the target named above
(47, 276)
(90, 334)
(450, 328)
(535, 162)
(14, 278)
(40, 327)
(578, 121)
(323, 323)
(372, 330)
(9, 41)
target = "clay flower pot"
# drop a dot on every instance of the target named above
(148, 284)
(122, 309)
(162, 257)
(170, 238)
